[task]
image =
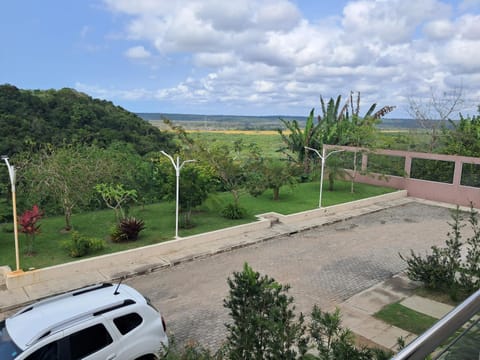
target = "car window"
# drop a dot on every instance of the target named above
(127, 323)
(8, 349)
(47, 352)
(88, 341)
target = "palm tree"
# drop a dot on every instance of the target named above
(296, 139)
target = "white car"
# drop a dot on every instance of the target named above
(103, 322)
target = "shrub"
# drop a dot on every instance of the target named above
(263, 320)
(80, 245)
(28, 225)
(233, 212)
(332, 341)
(470, 273)
(444, 268)
(191, 351)
(127, 230)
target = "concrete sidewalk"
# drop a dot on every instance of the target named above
(356, 312)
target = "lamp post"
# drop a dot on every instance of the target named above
(11, 173)
(177, 167)
(323, 157)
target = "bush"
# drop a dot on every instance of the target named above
(264, 324)
(233, 212)
(191, 351)
(80, 245)
(127, 230)
(444, 268)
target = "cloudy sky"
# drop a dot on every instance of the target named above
(247, 57)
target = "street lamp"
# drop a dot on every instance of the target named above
(323, 157)
(177, 167)
(11, 173)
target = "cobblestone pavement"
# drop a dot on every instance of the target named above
(324, 266)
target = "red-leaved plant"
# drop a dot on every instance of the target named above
(28, 222)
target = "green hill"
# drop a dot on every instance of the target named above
(32, 118)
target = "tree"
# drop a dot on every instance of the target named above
(116, 197)
(271, 174)
(296, 139)
(29, 119)
(463, 138)
(228, 163)
(336, 170)
(333, 121)
(196, 181)
(362, 130)
(345, 126)
(433, 112)
(264, 325)
(63, 177)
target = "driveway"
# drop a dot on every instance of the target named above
(323, 266)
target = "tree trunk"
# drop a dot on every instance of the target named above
(235, 197)
(331, 181)
(68, 216)
(276, 193)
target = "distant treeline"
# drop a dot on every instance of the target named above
(198, 121)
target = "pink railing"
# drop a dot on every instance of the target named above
(453, 192)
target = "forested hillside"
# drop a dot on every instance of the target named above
(32, 118)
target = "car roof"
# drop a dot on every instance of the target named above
(57, 313)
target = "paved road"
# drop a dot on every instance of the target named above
(324, 266)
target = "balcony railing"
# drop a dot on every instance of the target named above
(439, 333)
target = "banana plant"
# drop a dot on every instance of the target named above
(296, 139)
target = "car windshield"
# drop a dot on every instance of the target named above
(8, 349)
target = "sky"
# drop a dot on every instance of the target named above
(245, 57)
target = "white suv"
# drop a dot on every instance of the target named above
(103, 322)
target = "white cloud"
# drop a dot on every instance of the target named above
(439, 29)
(137, 52)
(267, 51)
(109, 93)
(392, 21)
(468, 27)
(214, 59)
(464, 54)
(264, 86)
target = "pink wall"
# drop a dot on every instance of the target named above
(453, 193)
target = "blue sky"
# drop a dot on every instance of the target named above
(246, 57)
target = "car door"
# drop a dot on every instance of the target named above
(91, 343)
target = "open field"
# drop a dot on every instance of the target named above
(269, 141)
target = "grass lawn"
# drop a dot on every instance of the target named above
(160, 221)
(405, 318)
(437, 295)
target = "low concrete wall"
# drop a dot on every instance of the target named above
(171, 252)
